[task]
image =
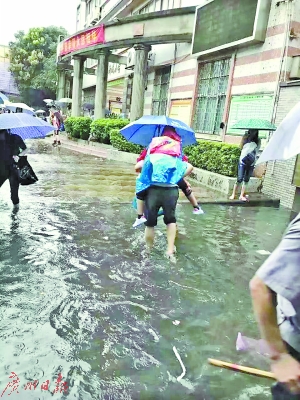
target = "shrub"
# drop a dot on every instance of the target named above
(69, 123)
(221, 158)
(101, 128)
(82, 128)
(120, 143)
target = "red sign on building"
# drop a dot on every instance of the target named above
(88, 38)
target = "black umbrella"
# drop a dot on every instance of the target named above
(88, 106)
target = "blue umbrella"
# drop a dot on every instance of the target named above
(25, 125)
(3, 98)
(146, 128)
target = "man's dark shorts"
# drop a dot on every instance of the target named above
(157, 197)
(181, 184)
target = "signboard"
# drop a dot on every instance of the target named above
(181, 109)
(245, 107)
(82, 40)
(296, 177)
(220, 24)
(116, 82)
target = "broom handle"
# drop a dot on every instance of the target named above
(252, 371)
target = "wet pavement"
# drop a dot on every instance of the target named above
(78, 298)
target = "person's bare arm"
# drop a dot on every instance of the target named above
(265, 313)
(284, 366)
(189, 169)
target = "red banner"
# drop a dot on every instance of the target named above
(88, 38)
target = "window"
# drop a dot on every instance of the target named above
(78, 19)
(88, 7)
(161, 91)
(211, 96)
(159, 5)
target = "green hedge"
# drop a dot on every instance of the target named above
(118, 141)
(82, 128)
(221, 158)
(69, 124)
(101, 128)
(216, 157)
(78, 127)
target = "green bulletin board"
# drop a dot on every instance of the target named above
(250, 106)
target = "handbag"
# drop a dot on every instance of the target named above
(26, 173)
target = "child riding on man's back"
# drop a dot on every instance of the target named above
(168, 144)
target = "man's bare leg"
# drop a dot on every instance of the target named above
(171, 235)
(149, 237)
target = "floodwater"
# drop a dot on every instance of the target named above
(78, 297)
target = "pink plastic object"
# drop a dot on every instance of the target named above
(244, 343)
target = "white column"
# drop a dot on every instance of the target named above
(139, 81)
(101, 84)
(77, 86)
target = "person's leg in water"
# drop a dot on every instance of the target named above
(187, 190)
(240, 178)
(140, 206)
(247, 176)
(14, 185)
(169, 198)
(10, 173)
(152, 205)
(57, 136)
(140, 199)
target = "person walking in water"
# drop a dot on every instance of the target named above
(163, 168)
(56, 120)
(10, 146)
(250, 146)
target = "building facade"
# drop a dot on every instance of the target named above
(7, 82)
(162, 60)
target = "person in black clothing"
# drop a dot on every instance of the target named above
(10, 145)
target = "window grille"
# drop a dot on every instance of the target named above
(161, 91)
(211, 95)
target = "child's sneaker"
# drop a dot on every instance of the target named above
(139, 221)
(198, 211)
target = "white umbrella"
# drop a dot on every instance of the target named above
(48, 101)
(65, 100)
(285, 142)
(23, 106)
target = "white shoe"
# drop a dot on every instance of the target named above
(139, 221)
(197, 211)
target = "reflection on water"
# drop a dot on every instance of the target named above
(77, 297)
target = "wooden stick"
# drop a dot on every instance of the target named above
(240, 368)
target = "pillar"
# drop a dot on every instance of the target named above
(77, 86)
(61, 86)
(101, 83)
(139, 81)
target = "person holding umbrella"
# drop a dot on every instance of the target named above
(250, 146)
(185, 187)
(157, 186)
(10, 145)
(14, 129)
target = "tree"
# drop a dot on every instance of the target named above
(33, 58)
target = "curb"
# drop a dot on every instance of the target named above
(102, 153)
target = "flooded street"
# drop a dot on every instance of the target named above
(78, 298)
